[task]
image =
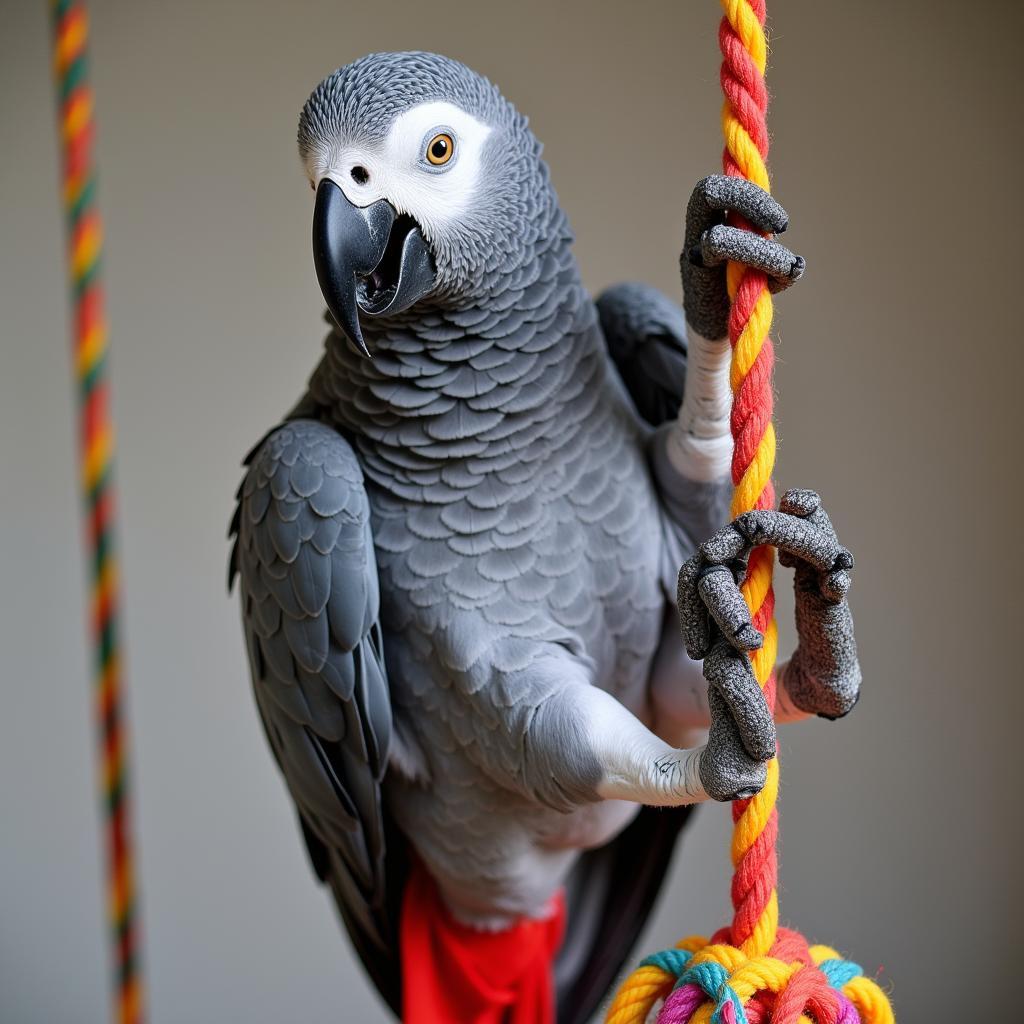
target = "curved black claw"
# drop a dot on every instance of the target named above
(709, 243)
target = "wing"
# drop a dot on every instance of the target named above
(304, 558)
(646, 337)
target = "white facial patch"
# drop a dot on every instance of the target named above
(397, 168)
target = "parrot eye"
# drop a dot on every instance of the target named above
(440, 149)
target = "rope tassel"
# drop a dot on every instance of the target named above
(753, 971)
(85, 242)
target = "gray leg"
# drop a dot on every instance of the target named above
(583, 726)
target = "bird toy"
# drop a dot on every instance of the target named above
(85, 242)
(752, 971)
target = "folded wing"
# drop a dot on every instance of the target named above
(304, 559)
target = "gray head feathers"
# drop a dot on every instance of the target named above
(364, 97)
(514, 215)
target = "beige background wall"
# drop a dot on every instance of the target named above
(897, 152)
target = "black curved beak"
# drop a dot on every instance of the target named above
(368, 260)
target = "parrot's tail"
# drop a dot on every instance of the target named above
(451, 972)
(537, 972)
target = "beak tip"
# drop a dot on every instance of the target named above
(351, 331)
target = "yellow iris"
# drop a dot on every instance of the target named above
(440, 149)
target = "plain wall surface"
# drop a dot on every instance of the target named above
(896, 149)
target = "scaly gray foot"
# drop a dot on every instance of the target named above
(710, 243)
(822, 677)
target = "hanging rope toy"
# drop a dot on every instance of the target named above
(752, 971)
(85, 239)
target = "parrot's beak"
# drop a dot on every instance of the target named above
(368, 259)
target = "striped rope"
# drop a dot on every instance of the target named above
(741, 38)
(752, 971)
(85, 244)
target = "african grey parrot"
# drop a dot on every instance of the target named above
(459, 555)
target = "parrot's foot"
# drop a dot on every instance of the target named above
(710, 243)
(823, 676)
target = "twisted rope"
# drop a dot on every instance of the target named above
(85, 242)
(752, 971)
(742, 40)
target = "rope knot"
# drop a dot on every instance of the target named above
(717, 983)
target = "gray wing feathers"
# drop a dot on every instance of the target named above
(646, 337)
(310, 602)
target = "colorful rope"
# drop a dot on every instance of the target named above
(753, 971)
(85, 241)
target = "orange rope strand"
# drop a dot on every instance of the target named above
(85, 243)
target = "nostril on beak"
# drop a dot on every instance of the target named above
(360, 175)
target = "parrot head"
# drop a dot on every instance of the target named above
(427, 181)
